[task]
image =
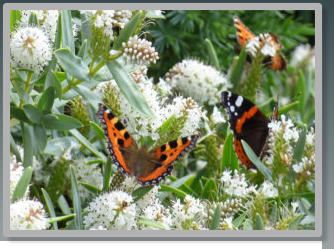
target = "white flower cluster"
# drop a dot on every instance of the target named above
(159, 213)
(139, 51)
(47, 21)
(279, 130)
(109, 19)
(264, 43)
(111, 211)
(28, 215)
(139, 126)
(197, 80)
(303, 55)
(30, 49)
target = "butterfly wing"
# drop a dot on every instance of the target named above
(247, 122)
(118, 139)
(242, 32)
(166, 155)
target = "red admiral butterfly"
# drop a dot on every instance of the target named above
(248, 123)
(149, 167)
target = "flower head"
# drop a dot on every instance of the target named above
(159, 213)
(303, 55)
(197, 80)
(30, 49)
(28, 215)
(236, 185)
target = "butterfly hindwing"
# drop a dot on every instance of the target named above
(242, 32)
(118, 138)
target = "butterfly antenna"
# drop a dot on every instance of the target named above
(274, 116)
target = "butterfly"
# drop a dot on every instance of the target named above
(248, 123)
(244, 35)
(148, 167)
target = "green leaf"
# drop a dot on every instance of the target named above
(210, 190)
(98, 130)
(258, 222)
(301, 91)
(274, 213)
(83, 50)
(128, 30)
(288, 107)
(140, 192)
(107, 174)
(63, 205)
(239, 220)
(72, 64)
(229, 158)
(24, 96)
(22, 184)
(299, 148)
(14, 149)
(87, 144)
(176, 184)
(216, 218)
(33, 20)
(238, 68)
(52, 81)
(49, 207)
(28, 138)
(151, 223)
(61, 218)
(91, 188)
(32, 113)
(247, 225)
(88, 95)
(76, 201)
(58, 145)
(67, 33)
(40, 137)
(212, 54)
(19, 114)
(254, 159)
(15, 17)
(45, 103)
(129, 88)
(60, 122)
(177, 192)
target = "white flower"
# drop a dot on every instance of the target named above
(303, 55)
(253, 46)
(28, 215)
(263, 43)
(30, 49)
(114, 211)
(47, 20)
(217, 116)
(227, 223)
(148, 199)
(235, 185)
(16, 171)
(159, 213)
(197, 80)
(268, 190)
(310, 137)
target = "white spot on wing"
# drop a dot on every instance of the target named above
(239, 101)
(232, 108)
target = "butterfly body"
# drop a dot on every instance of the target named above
(248, 123)
(244, 35)
(147, 166)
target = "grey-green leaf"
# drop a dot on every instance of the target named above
(49, 207)
(216, 218)
(229, 158)
(33, 114)
(258, 222)
(60, 122)
(76, 201)
(67, 32)
(22, 185)
(212, 54)
(46, 101)
(299, 149)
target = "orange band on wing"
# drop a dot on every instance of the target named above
(160, 171)
(241, 154)
(278, 62)
(247, 115)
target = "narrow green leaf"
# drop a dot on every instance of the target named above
(76, 200)
(299, 149)
(247, 225)
(177, 192)
(24, 96)
(19, 114)
(63, 205)
(229, 157)
(61, 218)
(274, 213)
(212, 54)
(91, 188)
(239, 220)
(140, 192)
(72, 64)
(22, 185)
(33, 113)
(210, 190)
(301, 91)
(49, 207)
(33, 20)
(288, 107)
(238, 69)
(14, 149)
(15, 17)
(60, 122)
(40, 137)
(176, 184)
(28, 138)
(59, 32)
(128, 30)
(258, 222)
(98, 130)
(58, 145)
(296, 221)
(52, 81)
(67, 32)
(216, 218)
(254, 159)
(129, 88)
(83, 50)
(151, 223)
(87, 144)
(45, 103)
(107, 174)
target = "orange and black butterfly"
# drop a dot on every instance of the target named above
(148, 167)
(244, 35)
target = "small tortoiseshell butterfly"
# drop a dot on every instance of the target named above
(248, 123)
(148, 167)
(244, 35)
